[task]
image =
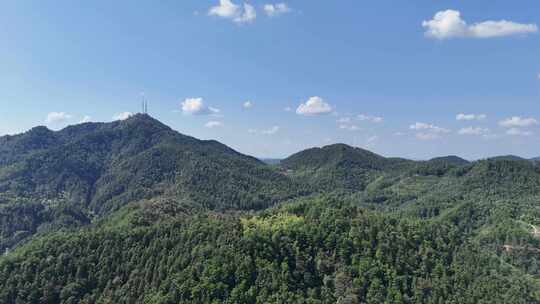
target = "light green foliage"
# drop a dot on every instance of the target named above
(275, 223)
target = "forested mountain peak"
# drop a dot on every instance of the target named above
(145, 192)
(508, 157)
(39, 130)
(143, 121)
(336, 167)
(13, 147)
(451, 159)
(504, 176)
(96, 168)
(338, 155)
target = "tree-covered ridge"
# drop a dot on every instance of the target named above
(134, 212)
(491, 201)
(94, 169)
(451, 159)
(338, 166)
(338, 155)
(316, 250)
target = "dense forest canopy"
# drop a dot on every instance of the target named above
(134, 212)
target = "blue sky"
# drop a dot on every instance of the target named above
(390, 76)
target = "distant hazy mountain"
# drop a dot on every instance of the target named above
(271, 161)
(452, 159)
(508, 157)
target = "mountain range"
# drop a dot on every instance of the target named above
(134, 212)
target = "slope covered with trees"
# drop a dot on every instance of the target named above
(339, 166)
(90, 170)
(315, 250)
(134, 212)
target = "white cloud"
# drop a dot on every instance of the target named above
(462, 116)
(473, 131)
(196, 106)
(247, 105)
(428, 127)
(489, 29)
(517, 121)
(344, 120)
(273, 10)
(428, 131)
(314, 106)
(449, 24)
(273, 130)
(122, 116)
(373, 119)
(346, 123)
(249, 14)
(213, 124)
(349, 127)
(427, 136)
(225, 9)
(57, 117)
(287, 109)
(228, 10)
(518, 132)
(86, 119)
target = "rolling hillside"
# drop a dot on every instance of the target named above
(68, 178)
(134, 212)
(339, 166)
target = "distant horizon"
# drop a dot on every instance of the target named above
(262, 158)
(269, 78)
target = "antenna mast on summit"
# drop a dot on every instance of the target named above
(144, 105)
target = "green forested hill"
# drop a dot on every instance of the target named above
(451, 159)
(66, 178)
(134, 212)
(339, 167)
(316, 250)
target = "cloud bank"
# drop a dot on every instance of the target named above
(449, 24)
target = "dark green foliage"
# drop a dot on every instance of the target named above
(311, 251)
(508, 157)
(338, 167)
(133, 212)
(336, 156)
(451, 159)
(98, 168)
